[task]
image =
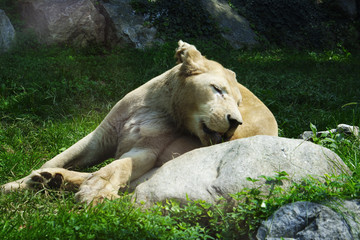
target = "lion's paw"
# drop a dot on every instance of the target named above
(46, 179)
(95, 190)
(36, 180)
(95, 197)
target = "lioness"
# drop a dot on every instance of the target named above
(196, 103)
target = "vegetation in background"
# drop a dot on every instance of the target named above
(11, 8)
(50, 97)
(178, 19)
(300, 23)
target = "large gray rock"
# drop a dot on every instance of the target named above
(306, 220)
(76, 22)
(211, 172)
(236, 29)
(127, 26)
(7, 32)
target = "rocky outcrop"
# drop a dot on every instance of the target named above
(7, 32)
(126, 26)
(75, 22)
(80, 22)
(217, 171)
(306, 220)
(114, 22)
(235, 28)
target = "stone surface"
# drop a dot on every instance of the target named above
(341, 128)
(236, 29)
(114, 22)
(348, 129)
(306, 220)
(127, 26)
(7, 32)
(75, 22)
(211, 172)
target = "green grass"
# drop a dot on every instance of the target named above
(51, 97)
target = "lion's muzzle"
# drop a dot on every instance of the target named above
(217, 137)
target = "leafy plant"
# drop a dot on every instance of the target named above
(178, 19)
(347, 147)
(299, 23)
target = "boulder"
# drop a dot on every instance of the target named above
(7, 32)
(75, 22)
(306, 220)
(235, 28)
(125, 26)
(217, 171)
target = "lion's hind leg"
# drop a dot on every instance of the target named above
(106, 182)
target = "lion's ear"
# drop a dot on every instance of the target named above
(191, 59)
(180, 51)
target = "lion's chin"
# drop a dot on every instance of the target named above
(212, 137)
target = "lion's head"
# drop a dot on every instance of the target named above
(207, 97)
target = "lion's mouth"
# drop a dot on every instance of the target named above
(214, 137)
(207, 130)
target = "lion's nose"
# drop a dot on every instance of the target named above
(234, 122)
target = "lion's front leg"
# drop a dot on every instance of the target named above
(57, 178)
(106, 182)
(54, 178)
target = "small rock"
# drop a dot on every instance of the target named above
(347, 129)
(341, 128)
(306, 220)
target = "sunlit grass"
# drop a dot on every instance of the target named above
(52, 97)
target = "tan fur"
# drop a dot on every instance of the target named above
(198, 102)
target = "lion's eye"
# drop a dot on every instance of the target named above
(218, 90)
